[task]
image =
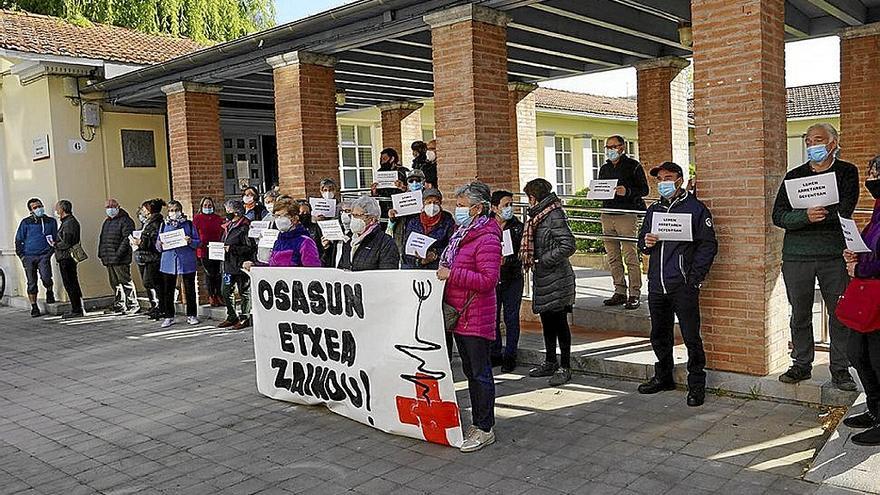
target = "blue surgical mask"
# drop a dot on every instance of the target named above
(817, 153)
(112, 212)
(463, 216)
(612, 154)
(667, 188)
(507, 213)
(208, 211)
(416, 186)
(39, 212)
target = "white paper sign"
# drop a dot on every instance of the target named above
(257, 228)
(327, 339)
(809, 192)
(418, 244)
(173, 239)
(331, 230)
(506, 243)
(268, 238)
(602, 189)
(408, 203)
(135, 235)
(216, 251)
(386, 179)
(76, 146)
(851, 235)
(672, 226)
(40, 148)
(323, 207)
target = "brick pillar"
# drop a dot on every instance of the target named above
(401, 125)
(523, 133)
(195, 141)
(471, 101)
(860, 100)
(305, 121)
(656, 112)
(744, 308)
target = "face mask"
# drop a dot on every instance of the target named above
(358, 226)
(112, 212)
(873, 187)
(283, 223)
(432, 209)
(230, 216)
(507, 213)
(612, 154)
(142, 218)
(817, 153)
(667, 188)
(174, 215)
(346, 220)
(39, 212)
(208, 211)
(416, 186)
(305, 218)
(327, 194)
(432, 156)
(248, 200)
(269, 206)
(463, 216)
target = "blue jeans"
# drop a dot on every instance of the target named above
(34, 264)
(508, 296)
(477, 367)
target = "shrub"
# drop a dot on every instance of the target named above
(579, 226)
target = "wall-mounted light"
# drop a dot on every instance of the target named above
(685, 34)
(340, 97)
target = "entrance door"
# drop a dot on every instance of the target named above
(242, 164)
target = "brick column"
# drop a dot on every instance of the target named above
(860, 99)
(401, 125)
(471, 101)
(523, 133)
(305, 121)
(195, 141)
(658, 112)
(739, 97)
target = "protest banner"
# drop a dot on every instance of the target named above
(173, 239)
(418, 244)
(331, 230)
(672, 226)
(813, 191)
(602, 189)
(408, 203)
(386, 179)
(324, 336)
(851, 235)
(323, 207)
(257, 227)
(216, 251)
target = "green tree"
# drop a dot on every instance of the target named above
(202, 20)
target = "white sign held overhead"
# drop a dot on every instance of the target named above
(216, 251)
(851, 235)
(323, 207)
(602, 189)
(408, 203)
(672, 226)
(812, 191)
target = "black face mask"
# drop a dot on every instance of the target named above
(230, 216)
(873, 187)
(305, 218)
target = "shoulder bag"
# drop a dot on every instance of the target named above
(452, 315)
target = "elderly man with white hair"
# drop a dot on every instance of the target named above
(369, 248)
(811, 250)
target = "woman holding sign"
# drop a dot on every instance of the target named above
(147, 256)
(209, 225)
(178, 260)
(471, 266)
(369, 248)
(293, 247)
(434, 223)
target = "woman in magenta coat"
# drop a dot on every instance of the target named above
(471, 266)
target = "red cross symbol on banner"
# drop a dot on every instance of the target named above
(432, 415)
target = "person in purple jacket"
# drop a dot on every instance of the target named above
(178, 261)
(294, 246)
(864, 348)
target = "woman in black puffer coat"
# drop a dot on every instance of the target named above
(546, 247)
(146, 255)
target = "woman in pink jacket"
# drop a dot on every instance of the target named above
(471, 266)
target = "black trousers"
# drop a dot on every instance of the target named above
(213, 276)
(152, 279)
(556, 329)
(70, 280)
(166, 295)
(477, 366)
(684, 303)
(864, 356)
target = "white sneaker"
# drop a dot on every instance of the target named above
(167, 322)
(192, 320)
(477, 439)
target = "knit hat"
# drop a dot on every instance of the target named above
(415, 174)
(427, 193)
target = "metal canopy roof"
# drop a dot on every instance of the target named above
(383, 47)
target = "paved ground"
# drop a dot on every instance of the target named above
(114, 405)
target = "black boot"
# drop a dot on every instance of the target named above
(868, 438)
(50, 296)
(655, 385)
(35, 310)
(696, 396)
(861, 421)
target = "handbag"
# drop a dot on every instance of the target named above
(452, 315)
(858, 308)
(78, 253)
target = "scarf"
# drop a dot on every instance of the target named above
(175, 224)
(527, 248)
(428, 223)
(451, 251)
(357, 239)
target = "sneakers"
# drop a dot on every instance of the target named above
(192, 320)
(842, 380)
(655, 385)
(632, 303)
(796, 374)
(615, 300)
(35, 311)
(696, 396)
(167, 322)
(476, 439)
(867, 438)
(546, 369)
(154, 314)
(228, 323)
(508, 364)
(861, 421)
(50, 297)
(560, 377)
(243, 323)
(133, 310)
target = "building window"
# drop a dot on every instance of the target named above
(356, 156)
(427, 135)
(138, 150)
(564, 168)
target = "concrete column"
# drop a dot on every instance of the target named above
(739, 97)
(547, 148)
(471, 99)
(523, 133)
(195, 143)
(582, 144)
(860, 99)
(305, 121)
(401, 125)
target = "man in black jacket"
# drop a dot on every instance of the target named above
(675, 274)
(510, 286)
(68, 237)
(114, 250)
(632, 186)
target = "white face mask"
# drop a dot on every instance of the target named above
(248, 200)
(283, 223)
(432, 156)
(358, 226)
(432, 209)
(174, 215)
(346, 220)
(327, 194)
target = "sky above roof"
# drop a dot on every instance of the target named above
(806, 62)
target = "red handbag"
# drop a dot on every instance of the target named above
(859, 306)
